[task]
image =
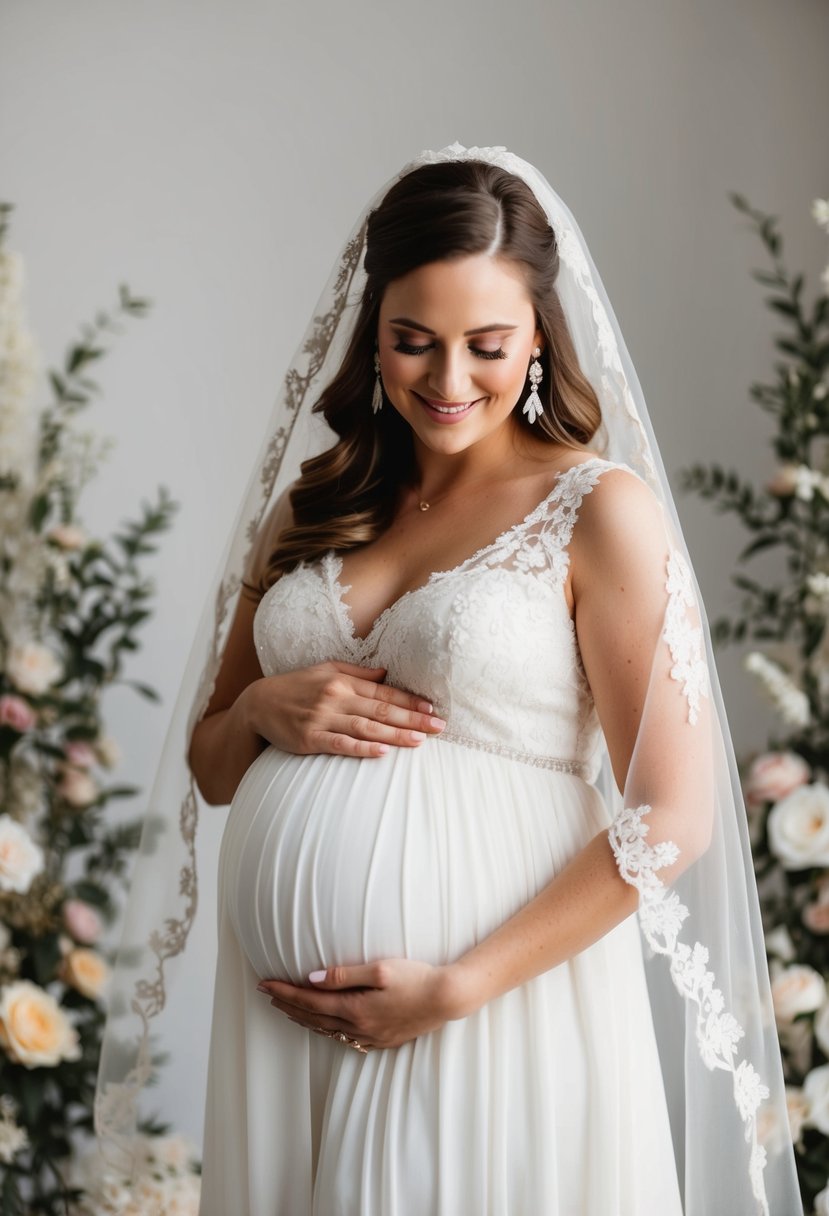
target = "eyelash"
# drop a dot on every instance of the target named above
(406, 348)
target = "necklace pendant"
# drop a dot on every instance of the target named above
(424, 506)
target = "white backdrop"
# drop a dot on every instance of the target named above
(213, 153)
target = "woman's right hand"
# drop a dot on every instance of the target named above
(338, 708)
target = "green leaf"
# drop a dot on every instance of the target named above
(144, 689)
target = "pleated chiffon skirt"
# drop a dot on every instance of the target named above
(547, 1101)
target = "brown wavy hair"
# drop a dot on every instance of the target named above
(346, 496)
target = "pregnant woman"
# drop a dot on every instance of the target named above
(467, 720)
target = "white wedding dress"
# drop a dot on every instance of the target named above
(549, 1100)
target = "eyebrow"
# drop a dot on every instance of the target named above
(483, 329)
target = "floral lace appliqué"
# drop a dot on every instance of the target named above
(661, 914)
(683, 638)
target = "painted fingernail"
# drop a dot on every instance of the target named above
(261, 988)
(425, 707)
(417, 736)
(316, 977)
(439, 723)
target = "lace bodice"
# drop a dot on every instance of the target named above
(490, 642)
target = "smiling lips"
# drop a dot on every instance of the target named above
(447, 411)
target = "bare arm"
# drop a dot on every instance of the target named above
(619, 558)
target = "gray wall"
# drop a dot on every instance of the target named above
(212, 154)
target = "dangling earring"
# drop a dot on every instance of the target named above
(532, 406)
(377, 396)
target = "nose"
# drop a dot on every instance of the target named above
(448, 379)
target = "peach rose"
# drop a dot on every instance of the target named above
(20, 858)
(33, 668)
(16, 712)
(82, 921)
(798, 1111)
(77, 787)
(85, 971)
(774, 775)
(34, 1030)
(796, 989)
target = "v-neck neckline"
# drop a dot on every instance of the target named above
(332, 565)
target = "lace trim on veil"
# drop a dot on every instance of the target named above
(661, 912)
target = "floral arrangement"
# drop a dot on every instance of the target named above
(70, 609)
(783, 617)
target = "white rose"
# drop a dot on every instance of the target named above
(780, 944)
(796, 989)
(20, 858)
(822, 1028)
(34, 1030)
(816, 1092)
(798, 828)
(33, 668)
(797, 1108)
(822, 1202)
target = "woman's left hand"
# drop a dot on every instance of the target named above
(380, 1004)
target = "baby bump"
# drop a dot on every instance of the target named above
(420, 853)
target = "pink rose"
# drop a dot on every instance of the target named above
(784, 482)
(815, 916)
(16, 712)
(79, 754)
(82, 921)
(774, 775)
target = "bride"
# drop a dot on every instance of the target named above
(463, 715)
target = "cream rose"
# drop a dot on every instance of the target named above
(774, 775)
(20, 858)
(798, 828)
(33, 668)
(34, 1030)
(796, 989)
(784, 482)
(68, 536)
(77, 787)
(86, 971)
(816, 1092)
(107, 750)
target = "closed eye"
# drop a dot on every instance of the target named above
(406, 348)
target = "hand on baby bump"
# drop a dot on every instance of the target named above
(379, 1004)
(340, 709)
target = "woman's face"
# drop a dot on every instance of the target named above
(455, 340)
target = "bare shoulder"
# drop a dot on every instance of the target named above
(620, 525)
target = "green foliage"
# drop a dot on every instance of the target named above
(787, 520)
(86, 604)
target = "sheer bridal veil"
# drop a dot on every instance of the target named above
(679, 829)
